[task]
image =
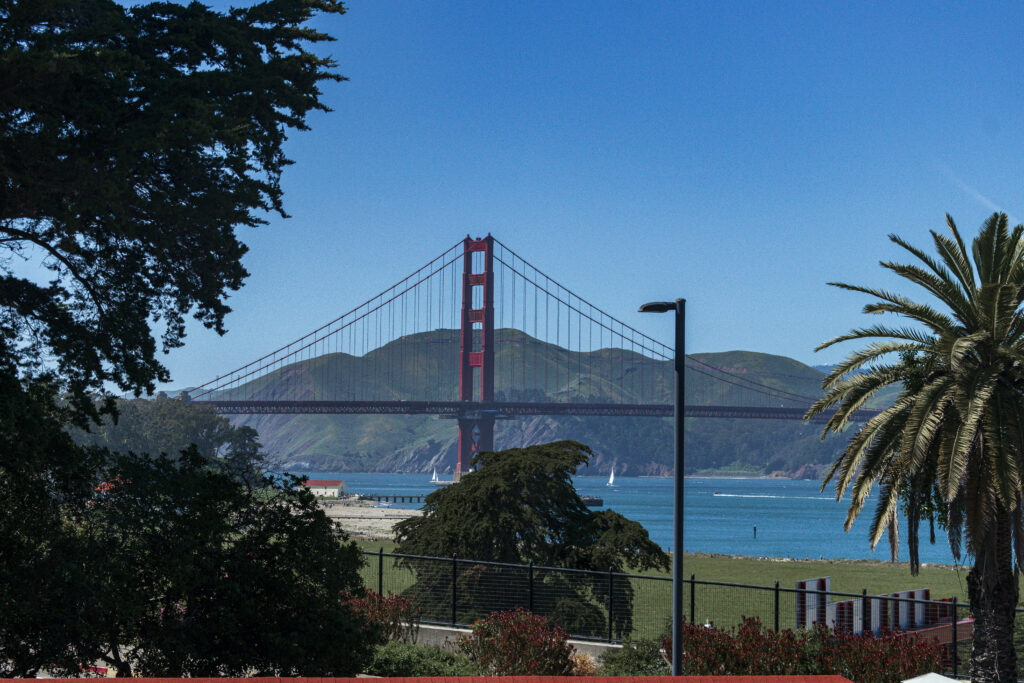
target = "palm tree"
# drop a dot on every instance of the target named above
(957, 424)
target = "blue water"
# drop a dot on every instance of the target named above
(793, 519)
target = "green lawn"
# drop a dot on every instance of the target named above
(726, 605)
(847, 576)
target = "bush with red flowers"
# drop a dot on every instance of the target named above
(396, 617)
(518, 643)
(752, 650)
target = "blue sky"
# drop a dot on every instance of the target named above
(740, 155)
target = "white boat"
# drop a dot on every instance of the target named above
(383, 504)
(434, 478)
(611, 477)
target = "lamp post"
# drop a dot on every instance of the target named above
(679, 306)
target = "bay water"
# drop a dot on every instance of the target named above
(793, 518)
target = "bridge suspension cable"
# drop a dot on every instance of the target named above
(550, 346)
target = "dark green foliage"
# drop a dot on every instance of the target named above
(165, 425)
(45, 482)
(255, 582)
(188, 572)
(519, 506)
(635, 658)
(405, 659)
(162, 567)
(132, 142)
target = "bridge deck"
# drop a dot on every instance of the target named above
(511, 409)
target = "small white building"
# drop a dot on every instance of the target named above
(326, 488)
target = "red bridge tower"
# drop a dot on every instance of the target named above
(476, 350)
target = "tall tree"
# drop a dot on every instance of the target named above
(957, 423)
(517, 506)
(133, 141)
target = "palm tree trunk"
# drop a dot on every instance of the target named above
(993, 592)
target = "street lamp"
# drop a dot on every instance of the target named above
(679, 306)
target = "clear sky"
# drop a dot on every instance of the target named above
(740, 155)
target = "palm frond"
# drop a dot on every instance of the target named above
(1015, 255)
(1000, 451)
(885, 511)
(945, 290)
(978, 502)
(924, 421)
(937, 269)
(958, 261)
(986, 247)
(851, 393)
(908, 334)
(849, 461)
(954, 527)
(1016, 331)
(962, 346)
(1007, 299)
(971, 405)
(877, 458)
(903, 306)
(858, 359)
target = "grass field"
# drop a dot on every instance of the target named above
(848, 576)
(726, 605)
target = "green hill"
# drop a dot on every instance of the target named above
(425, 366)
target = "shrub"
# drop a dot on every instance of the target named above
(582, 664)
(635, 658)
(885, 657)
(397, 617)
(405, 659)
(517, 643)
(751, 650)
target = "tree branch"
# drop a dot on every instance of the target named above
(22, 236)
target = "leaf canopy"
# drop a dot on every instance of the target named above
(133, 141)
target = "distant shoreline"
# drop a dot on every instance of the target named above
(752, 477)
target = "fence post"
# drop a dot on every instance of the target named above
(455, 569)
(531, 585)
(611, 603)
(956, 643)
(865, 620)
(380, 572)
(776, 606)
(693, 593)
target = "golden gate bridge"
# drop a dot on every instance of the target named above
(477, 335)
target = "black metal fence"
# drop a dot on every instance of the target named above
(611, 606)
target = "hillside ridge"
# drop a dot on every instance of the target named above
(420, 366)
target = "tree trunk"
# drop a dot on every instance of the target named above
(993, 592)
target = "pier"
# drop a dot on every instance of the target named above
(591, 501)
(394, 498)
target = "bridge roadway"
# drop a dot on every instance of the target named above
(455, 409)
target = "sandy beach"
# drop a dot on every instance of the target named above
(360, 519)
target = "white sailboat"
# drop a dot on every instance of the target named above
(611, 477)
(434, 478)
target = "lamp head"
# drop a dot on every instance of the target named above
(658, 307)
